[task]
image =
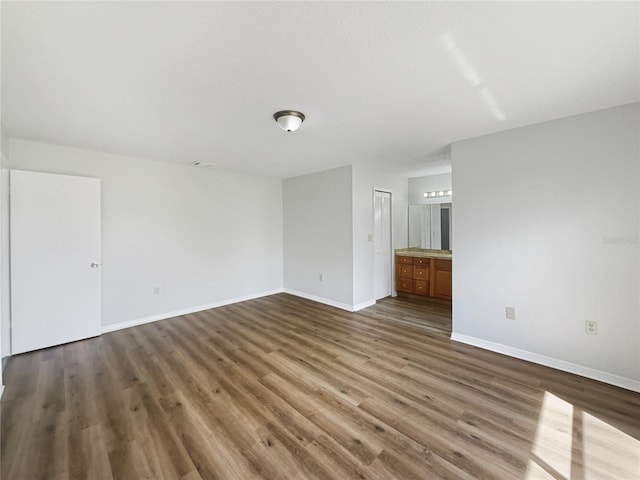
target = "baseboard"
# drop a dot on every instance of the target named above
(185, 311)
(326, 301)
(592, 373)
(362, 305)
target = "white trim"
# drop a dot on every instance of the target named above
(185, 311)
(326, 301)
(362, 305)
(592, 373)
(1, 391)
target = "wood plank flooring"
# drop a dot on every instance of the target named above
(284, 388)
(433, 316)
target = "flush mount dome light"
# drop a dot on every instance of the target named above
(289, 120)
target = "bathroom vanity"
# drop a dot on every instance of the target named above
(423, 272)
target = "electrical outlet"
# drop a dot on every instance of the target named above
(510, 312)
(320, 277)
(591, 327)
(156, 290)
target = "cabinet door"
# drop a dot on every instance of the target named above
(441, 279)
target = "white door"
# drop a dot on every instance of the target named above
(382, 245)
(55, 259)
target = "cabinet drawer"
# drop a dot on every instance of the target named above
(420, 272)
(421, 287)
(442, 264)
(404, 260)
(405, 271)
(421, 261)
(404, 285)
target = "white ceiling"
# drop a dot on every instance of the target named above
(380, 82)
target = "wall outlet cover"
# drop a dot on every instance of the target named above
(510, 313)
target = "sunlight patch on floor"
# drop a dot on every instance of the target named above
(608, 452)
(552, 443)
(571, 444)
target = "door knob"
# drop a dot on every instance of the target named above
(94, 265)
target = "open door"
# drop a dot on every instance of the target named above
(383, 267)
(55, 259)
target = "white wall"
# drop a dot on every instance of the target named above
(203, 236)
(5, 292)
(328, 218)
(317, 236)
(430, 183)
(546, 221)
(365, 178)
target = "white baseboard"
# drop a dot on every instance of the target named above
(610, 378)
(362, 305)
(185, 311)
(326, 301)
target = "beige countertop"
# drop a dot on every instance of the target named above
(423, 252)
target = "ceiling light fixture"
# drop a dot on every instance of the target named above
(289, 120)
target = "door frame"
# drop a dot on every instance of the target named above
(391, 256)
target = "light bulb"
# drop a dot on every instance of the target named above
(289, 123)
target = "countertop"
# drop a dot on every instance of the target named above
(423, 252)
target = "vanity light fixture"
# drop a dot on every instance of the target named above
(440, 193)
(289, 120)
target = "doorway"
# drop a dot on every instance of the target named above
(383, 263)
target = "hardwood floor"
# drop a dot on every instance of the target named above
(284, 388)
(433, 316)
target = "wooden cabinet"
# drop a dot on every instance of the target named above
(441, 278)
(412, 275)
(404, 274)
(428, 277)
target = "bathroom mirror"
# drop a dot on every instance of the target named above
(430, 226)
